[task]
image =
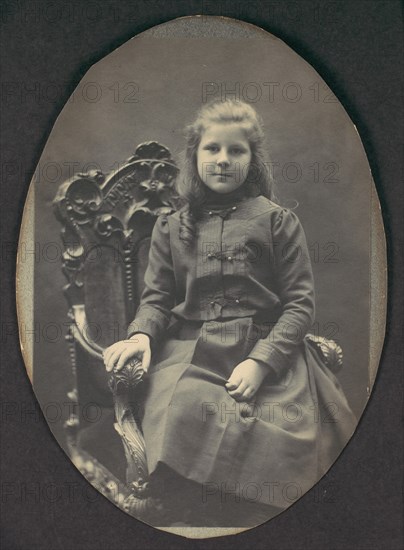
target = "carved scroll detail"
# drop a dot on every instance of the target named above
(102, 210)
(329, 351)
(122, 382)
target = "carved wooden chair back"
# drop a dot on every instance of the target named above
(107, 222)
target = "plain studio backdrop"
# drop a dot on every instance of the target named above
(148, 89)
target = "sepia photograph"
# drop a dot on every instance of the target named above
(207, 291)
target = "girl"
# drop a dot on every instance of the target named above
(241, 416)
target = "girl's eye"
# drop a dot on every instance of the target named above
(237, 151)
(212, 148)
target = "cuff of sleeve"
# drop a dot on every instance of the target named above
(147, 326)
(271, 356)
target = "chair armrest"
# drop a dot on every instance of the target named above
(329, 351)
(79, 330)
(126, 378)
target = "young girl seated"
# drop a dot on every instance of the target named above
(240, 414)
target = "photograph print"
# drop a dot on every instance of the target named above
(208, 229)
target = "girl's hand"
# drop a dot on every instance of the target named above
(246, 379)
(118, 354)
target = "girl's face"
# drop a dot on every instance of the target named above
(223, 157)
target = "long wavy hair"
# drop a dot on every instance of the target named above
(191, 188)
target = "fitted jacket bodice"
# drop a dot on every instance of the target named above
(249, 259)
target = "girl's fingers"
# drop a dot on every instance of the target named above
(111, 352)
(236, 386)
(108, 352)
(124, 358)
(114, 357)
(233, 382)
(117, 355)
(249, 393)
(121, 361)
(236, 394)
(107, 361)
(110, 365)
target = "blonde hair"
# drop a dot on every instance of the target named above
(191, 188)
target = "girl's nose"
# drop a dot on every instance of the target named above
(223, 159)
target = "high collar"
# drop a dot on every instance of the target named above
(223, 200)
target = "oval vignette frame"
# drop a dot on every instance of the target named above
(192, 28)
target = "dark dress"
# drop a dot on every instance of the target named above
(244, 289)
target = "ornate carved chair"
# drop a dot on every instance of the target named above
(107, 222)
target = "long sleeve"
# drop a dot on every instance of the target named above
(158, 297)
(295, 284)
